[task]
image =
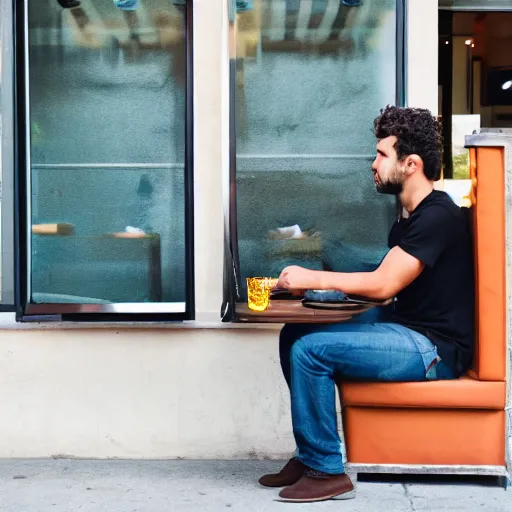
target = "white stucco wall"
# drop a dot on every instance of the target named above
(142, 393)
(188, 392)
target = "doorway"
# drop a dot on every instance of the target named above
(475, 79)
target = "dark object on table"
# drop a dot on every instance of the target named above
(333, 299)
(282, 294)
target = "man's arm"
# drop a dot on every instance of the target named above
(397, 270)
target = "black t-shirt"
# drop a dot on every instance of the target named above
(439, 303)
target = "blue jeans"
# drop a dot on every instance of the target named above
(313, 356)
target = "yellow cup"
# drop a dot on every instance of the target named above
(258, 292)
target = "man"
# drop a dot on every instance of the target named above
(429, 334)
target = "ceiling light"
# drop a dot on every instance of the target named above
(507, 85)
(468, 42)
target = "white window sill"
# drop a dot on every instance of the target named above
(205, 321)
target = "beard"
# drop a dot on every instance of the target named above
(393, 189)
(394, 185)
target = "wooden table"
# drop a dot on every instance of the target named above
(292, 311)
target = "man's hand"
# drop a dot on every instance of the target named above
(298, 278)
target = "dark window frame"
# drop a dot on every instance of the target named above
(7, 302)
(22, 306)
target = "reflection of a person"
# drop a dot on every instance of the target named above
(346, 13)
(341, 20)
(426, 334)
(76, 11)
(129, 8)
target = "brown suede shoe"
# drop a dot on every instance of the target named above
(290, 474)
(318, 486)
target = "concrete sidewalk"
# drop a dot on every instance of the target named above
(68, 485)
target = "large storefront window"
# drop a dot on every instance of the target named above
(107, 157)
(6, 160)
(308, 78)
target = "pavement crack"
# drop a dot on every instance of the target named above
(408, 496)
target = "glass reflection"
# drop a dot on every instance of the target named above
(311, 75)
(107, 119)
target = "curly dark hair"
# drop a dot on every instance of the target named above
(417, 131)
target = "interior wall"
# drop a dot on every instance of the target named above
(492, 36)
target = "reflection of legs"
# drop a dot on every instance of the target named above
(77, 12)
(345, 19)
(292, 16)
(133, 24)
(339, 22)
(129, 8)
(81, 19)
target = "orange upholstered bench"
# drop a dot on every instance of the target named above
(466, 393)
(459, 424)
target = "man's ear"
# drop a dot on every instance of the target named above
(412, 164)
